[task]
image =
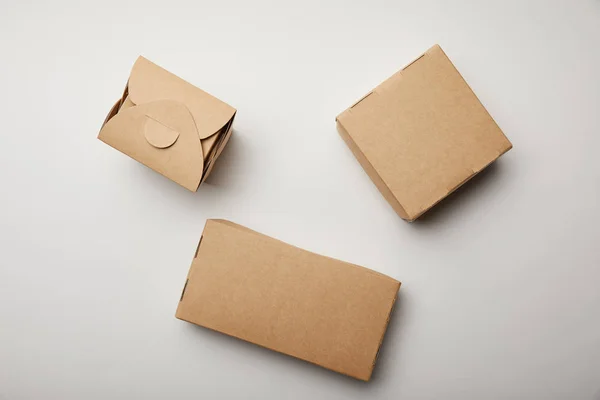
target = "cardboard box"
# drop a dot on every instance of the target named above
(259, 289)
(168, 125)
(421, 134)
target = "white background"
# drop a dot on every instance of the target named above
(500, 296)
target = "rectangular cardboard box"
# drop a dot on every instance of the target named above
(421, 134)
(168, 125)
(259, 289)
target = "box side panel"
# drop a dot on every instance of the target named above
(372, 173)
(223, 139)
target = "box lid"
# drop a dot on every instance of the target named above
(264, 291)
(421, 134)
(168, 124)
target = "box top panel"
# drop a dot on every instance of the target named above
(278, 296)
(424, 132)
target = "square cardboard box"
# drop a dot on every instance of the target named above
(421, 134)
(168, 125)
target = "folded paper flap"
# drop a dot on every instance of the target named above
(150, 128)
(148, 82)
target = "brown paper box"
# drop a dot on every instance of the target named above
(168, 125)
(259, 289)
(421, 134)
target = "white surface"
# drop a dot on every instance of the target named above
(500, 295)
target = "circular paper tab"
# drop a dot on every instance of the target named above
(158, 134)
